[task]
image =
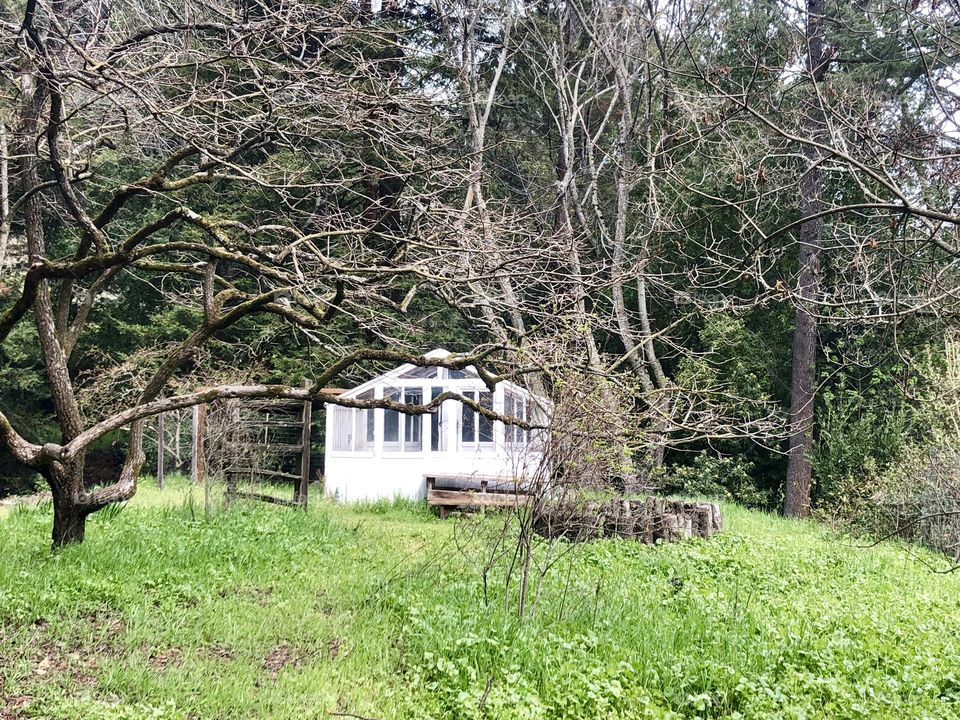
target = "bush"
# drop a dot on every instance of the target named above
(917, 499)
(726, 478)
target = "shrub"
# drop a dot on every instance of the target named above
(727, 478)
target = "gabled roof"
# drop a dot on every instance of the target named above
(399, 373)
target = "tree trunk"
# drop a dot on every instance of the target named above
(69, 516)
(69, 524)
(796, 501)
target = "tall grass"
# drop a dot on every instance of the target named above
(379, 610)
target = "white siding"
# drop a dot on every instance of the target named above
(358, 469)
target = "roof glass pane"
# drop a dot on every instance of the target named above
(420, 372)
(461, 374)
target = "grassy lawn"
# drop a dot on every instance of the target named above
(380, 611)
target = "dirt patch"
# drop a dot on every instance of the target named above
(108, 629)
(54, 663)
(333, 648)
(26, 500)
(219, 652)
(260, 595)
(280, 657)
(11, 708)
(160, 660)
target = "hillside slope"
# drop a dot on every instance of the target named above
(380, 611)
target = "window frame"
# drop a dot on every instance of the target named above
(390, 392)
(439, 422)
(410, 422)
(476, 420)
(357, 421)
(402, 446)
(516, 405)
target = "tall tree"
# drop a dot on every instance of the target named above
(796, 502)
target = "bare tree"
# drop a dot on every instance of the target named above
(296, 107)
(606, 223)
(869, 117)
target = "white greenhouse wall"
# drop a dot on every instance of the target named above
(373, 473)
(350, 479)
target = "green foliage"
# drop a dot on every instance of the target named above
(911, 490)
(89, 709)
(733, 360)
(855, 438)
(868, 413)
(263, 612)
(727, 478)
(396, 508)
(737, 364)
(757, 623)
(23, 383)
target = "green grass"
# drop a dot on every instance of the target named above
(379, 610)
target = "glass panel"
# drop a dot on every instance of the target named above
(363, 420)
(461, 374)
(438, 426)
(391, 419)
(429, 373)
(342, 435)
(360, 429)
(518, 408)
(523, 413)
(485, 424)
(413, 424)
(468, 431)
(537, 416)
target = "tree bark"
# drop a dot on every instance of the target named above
(797, 494)
(69, 516)
(66, 481)
(69, 524)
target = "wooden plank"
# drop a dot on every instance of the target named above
(198, 465)
(471, 478)
(261, 497)
(267, 447)
(233, 432)
(487, 483)
(476, 499)
(264, 471)
(274, 423)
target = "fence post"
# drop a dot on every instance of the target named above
(301, 493)
(198, 464)
(161, 442)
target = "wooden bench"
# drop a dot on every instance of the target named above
(471, 491)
